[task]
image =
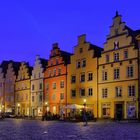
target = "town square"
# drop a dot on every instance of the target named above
(19, 129)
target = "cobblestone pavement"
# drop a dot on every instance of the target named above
(18, 129)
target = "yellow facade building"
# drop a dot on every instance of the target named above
(22, 90)
(82, 75)
(118, 73)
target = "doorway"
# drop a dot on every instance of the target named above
(119, 115)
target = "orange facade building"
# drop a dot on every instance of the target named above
(55, 81)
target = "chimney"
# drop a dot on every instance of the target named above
(82, 39)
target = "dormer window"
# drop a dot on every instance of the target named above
(56, 61)
(107, 58)
(116, 31)
(81, 50)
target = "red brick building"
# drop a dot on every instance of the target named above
(55, 81)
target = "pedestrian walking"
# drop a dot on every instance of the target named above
(84, 117)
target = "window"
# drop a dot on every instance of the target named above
(54, 72)
(84, 63)
(73, 79)
(39, 75)
(34, 76)
(82, 92)
(126, 54)
(81, 50)
(53, 96)
(33, 87)
(73, 93)
(47, 86)
(82, 77)
(104, 75)
(116, 31)
(40, 97)
(56, 61)
(78, 64)
(54, 85)
(116, 73)
(49, 73)
(90, 91)
(90, 76)
(130, 71)
(116, 57)
(33, 98)
(131, 90)
(61, 96)
(51, 63)
(118, 91)
(40, 86)
(62, 84)
(59, 71)
(104, 93)
(107, 58)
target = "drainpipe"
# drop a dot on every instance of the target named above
(97, 89)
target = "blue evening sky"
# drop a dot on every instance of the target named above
(30, 27)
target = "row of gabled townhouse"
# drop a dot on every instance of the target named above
(105, 80)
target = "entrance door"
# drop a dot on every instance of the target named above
(119, 111)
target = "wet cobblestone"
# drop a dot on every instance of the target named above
(18, 129)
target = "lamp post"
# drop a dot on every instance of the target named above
(85, 103)
(2, 108)
(46, 104)
(18, 108)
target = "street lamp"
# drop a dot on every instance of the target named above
(18, 108)
(46, 103)
(85, 102)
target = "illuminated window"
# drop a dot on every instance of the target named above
(90, 92)
(61, 96)
(116, 57)
(84, 63)
(116, 73)
(73, 93)
(126, 54)
(131, 90)
(73, 79)
(82, 92)
(104, 93)
(62, 84)
(130, 71)
(90, 76)
(118, 91)
(82, 77)
(104, 75)
(54, 85)
(78, 64)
